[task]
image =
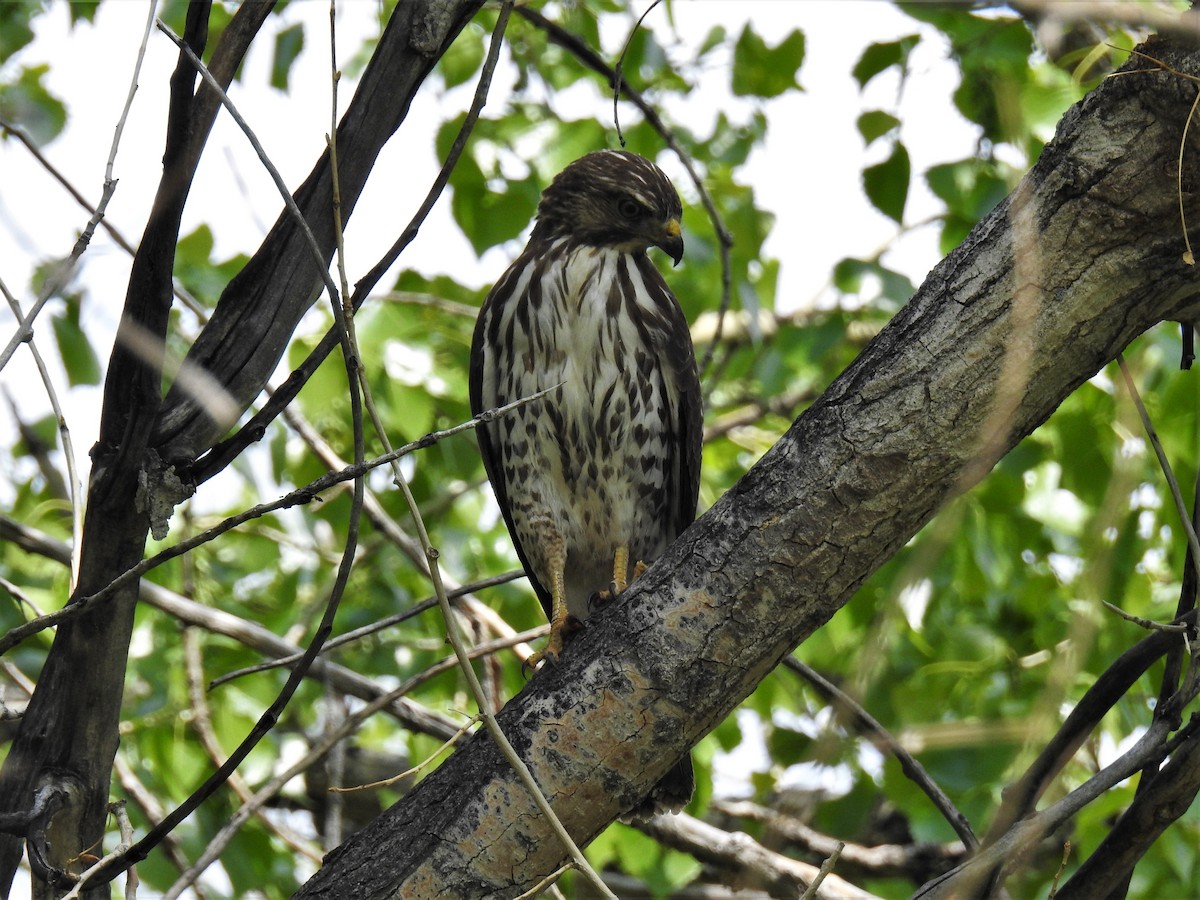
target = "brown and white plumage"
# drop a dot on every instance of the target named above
(603, 472)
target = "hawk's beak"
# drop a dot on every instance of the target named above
(671, 240)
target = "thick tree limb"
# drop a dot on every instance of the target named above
(70, 725)
(71, 722)
(1084, 256)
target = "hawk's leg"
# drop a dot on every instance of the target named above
(620, 570)
(562, 623)
(620, 579)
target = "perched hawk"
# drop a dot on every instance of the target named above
(602, 473)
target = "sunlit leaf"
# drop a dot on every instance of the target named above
(875, 123)
(886, 183)
(288, 44)
(763, 71)
(879, 57)
(26, 102)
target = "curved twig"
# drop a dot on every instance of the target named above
(64, 270)
(621, 65)
(68, 446)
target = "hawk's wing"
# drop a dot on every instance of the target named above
(679, 361)
(493, 464)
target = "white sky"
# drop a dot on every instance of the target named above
(808, 173)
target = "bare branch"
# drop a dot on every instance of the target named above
(917, 861)
(742, 856)
(299, 496)
(66, 268)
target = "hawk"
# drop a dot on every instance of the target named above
(597, 477)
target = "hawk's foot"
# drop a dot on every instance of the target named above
(601, 599)
(554, 646)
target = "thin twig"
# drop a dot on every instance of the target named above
(288, 200)
(125, 829)
(621, 65)
(201, 722)
(419, 767)
(1148, 624)
(372, 628)
(153, 811)
(391, 530)
(910, 766)
(8, 128)
(117, 852)
(408, 713)
(68, 448)
(545, 882)
(1173, 485)
(826, 867)
(347, 727)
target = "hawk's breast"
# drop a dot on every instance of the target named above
(588, 460)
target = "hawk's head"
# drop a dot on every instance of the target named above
(613, 198)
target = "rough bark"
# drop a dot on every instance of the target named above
(68, 736)
(1084, 256)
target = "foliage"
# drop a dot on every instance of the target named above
(968, 645)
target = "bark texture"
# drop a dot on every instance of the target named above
(1081, 258)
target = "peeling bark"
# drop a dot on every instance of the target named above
(1084, 256)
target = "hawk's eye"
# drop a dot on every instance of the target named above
(630, 208)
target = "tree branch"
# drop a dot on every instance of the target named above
(744, 857)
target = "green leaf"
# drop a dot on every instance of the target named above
(715, 37)
(83, 10)
(78, 357)
(463, 58)
(970, 188)
(15, 29)
(875, 123)
(25, 102)
(288, 44)
(490, 212)
(763, 71)
(43, 432)
(877, 58)
(886, 183)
